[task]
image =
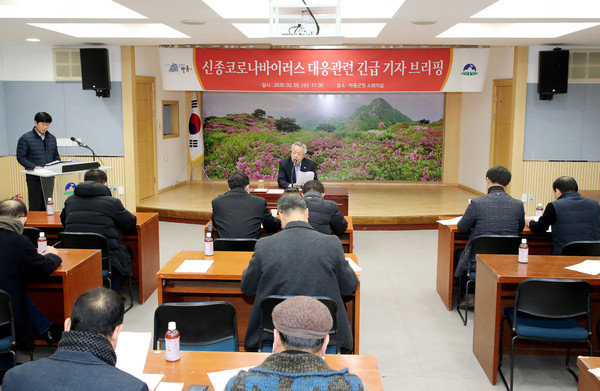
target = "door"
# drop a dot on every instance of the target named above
(145, 136)
(501, 124)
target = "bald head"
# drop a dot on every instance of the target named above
(13, 209)
(98, 310)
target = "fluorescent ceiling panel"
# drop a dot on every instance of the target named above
(513, 30)
(112, 30)
(66, 9)
(349, 30)
(350, 9)
(542, 9)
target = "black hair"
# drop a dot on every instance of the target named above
(499, 175)
(238, 179)
(95, 175)
(98, 310)
(313, 185)
(291, 202)
(42, 116)
(297, 343)
(13, 209)
(565, 184)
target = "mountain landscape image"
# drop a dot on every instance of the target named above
(373, 141)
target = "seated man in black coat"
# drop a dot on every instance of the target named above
(92, 208)
(323, 215)
(20, 260)
(289, 168)
(239, 214)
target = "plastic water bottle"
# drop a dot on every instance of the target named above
(523, 251)
(50, 207)
(42, 243)
(208, 245)
(172, 343)
(539, 210)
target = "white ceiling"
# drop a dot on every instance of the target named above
(398, 31)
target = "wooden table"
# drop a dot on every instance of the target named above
(55, 295)
(337, 194)
(450, 240)
(143, 243)
(588, 381)
(222, 282)
(593, 194)
(193, 367)
(497, 278)
(347, 238)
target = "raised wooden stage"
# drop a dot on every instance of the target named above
(372, 206)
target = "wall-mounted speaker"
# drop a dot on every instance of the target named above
(95, 71)
(553, 73)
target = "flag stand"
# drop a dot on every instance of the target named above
(192, 175)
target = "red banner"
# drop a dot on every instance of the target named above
(327, 70)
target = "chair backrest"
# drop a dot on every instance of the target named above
(7, 323)
(209, 325)
(33, 233)
(88, 240)
(495, 244)
(234, 244)
(583, 248)
(266, 323)
(553, 298)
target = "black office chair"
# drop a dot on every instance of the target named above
(234, 244)
(92, 240)
(548, 310)
(487, 244)
(265, 337)
(583, 248)
(7, 332)
(207, 326)
(33, 234)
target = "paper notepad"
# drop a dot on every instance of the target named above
(353, 265)
(257, 190)
(588, 267)
(219, 379)
(195, 266)
(453, 221)
(165, 386)
(275, 191)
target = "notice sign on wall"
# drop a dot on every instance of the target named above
(324, 70)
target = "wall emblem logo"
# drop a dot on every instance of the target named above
(469, 70)
(69, 189)
(183, 68)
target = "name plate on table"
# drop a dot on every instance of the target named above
(71, 166)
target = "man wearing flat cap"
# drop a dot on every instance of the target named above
(298, 261)
(301, 335)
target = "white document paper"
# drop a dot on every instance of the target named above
(195, 266)
(132, 350)
(588, 266)
(219, 379)
(304, 177)
(165, 386)
(353, 265)
(151, 379)
(595, 371)
(275, 191)
(453, 221)
(257, 190)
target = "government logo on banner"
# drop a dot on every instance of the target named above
(195, 137)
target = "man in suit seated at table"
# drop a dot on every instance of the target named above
(572, 217)
(20, 260)
(496, 213)
(290, 168)
(323, 215)
(300, 339)
(85, 358)
(298, 261)
(92, 208)
(239, 214)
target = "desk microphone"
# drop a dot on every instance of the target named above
(292, 188)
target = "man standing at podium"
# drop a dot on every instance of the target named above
(35, 149)
(291, 167)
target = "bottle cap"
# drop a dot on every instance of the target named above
(208, 234)
(524, 241)
(540, 204)
(49, 199)
(172, 326)
(42, 235)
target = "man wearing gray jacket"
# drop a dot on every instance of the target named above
(298, 261)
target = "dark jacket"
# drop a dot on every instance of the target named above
(299, 261)
(496, 213)
(572, 217)
(92, 209)
(324, 215)
(237, 214)
(32, 151)
(70, 370)
(287, 174)
(19, 261)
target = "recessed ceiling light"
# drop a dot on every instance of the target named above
(424, 22)
(66, 9)
(542, 9)
(32, 39)
(193, 22)
(112, 30)
(513, 30)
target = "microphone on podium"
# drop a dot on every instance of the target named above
(79, 142)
